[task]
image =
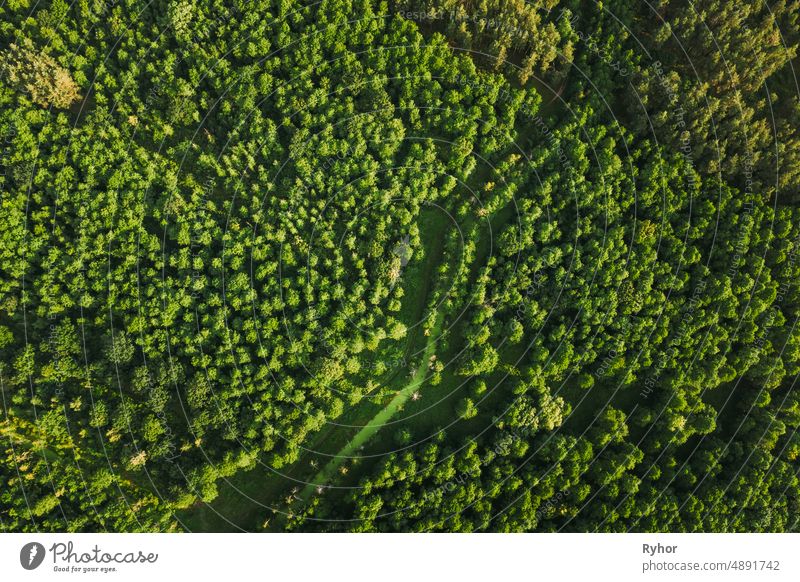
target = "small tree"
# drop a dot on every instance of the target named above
(38, 74)
(466, 409)
(402, 436)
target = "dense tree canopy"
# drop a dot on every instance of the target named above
(408, 266)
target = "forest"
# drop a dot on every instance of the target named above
(399, 266)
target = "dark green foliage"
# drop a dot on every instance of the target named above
(261, 222)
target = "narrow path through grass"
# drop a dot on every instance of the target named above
(378, 421)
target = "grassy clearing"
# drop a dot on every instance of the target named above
(324, 477)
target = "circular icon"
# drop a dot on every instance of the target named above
(31, 555)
